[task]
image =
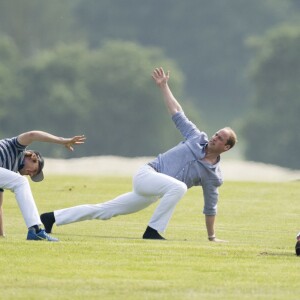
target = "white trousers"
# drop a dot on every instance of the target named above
(148, 187)
(19, 185)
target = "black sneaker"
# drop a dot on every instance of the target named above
(297, 248)
(152, 234)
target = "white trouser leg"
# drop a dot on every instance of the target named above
(148, 186)
(168, 188)
(124, 204)
(19, 185)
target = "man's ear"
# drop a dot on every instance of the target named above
(227, 147)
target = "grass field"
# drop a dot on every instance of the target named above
(109, 260)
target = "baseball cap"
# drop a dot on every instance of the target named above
(39, 175)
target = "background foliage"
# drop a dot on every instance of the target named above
(83, 66)
(273, 120)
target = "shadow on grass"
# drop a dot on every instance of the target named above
(67, 235)
(276, 254)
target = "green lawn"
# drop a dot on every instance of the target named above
(109, 260)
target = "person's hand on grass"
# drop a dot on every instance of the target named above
(215, 240)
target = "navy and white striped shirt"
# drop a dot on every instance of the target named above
(11, 154)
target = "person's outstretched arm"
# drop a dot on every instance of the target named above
(29, 137)
(161, 79)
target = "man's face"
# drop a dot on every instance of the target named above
(218, 141)
(31, 167)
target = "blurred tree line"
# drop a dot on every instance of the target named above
(271, 126)
(84, 66)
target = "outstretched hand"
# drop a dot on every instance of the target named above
(76, 140)
(160, 77)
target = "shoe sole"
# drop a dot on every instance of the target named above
(41, 239)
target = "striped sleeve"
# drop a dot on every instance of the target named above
(10, 150)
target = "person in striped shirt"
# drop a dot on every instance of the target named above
(15, 161)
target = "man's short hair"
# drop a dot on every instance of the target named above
(232, 140)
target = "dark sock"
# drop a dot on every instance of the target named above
(48, 220)
(152, 234)
(36, 228)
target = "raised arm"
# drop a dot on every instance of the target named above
(161, 79)
(29, 137)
